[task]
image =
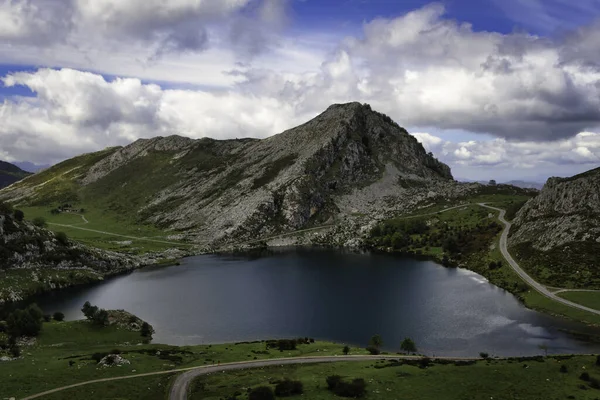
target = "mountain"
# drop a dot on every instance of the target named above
(31, 167)
(33, 259)
(525, 184)
(557, 233)
(10, 174)
(349, 162)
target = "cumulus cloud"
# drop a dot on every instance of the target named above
(160, 27)
(536, 95)
(583, 149)
(75, 112)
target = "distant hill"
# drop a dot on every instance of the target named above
(31, 167)
(350, 163)
(526, 184)
(10, 173)
(557, 233)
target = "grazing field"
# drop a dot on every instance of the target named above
(64, 352)
(589, 299)
(390, 380)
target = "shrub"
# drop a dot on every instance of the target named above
(288, 388)
(5, 208)
(24, 322)
(47, 317)
(484, 355)
(346, 350)
(62, 238)
(594, 383)
(58, 316)
(354, 389)
(19, 215)
(40, 222)
(98, 356)
(373, 350)
(564, 369)
(333, 381)
(424, 362)
(261, 393)
(15, 351)
(598, 360)
(110, 359)
(585, 377)
(376, 341)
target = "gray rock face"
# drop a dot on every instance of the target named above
(350, 161)
(566, 210)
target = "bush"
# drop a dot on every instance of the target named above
(62, 238)
(564, 369)
(424, 362)
(40, 222)
(19, 215)
(5, 208)
(373, 350)
(261, 393)
(47, 317)
(354, 389)
(288, 388)
(15, 351)
(585, 377)
(346, 350)
(98, 356)
(597, 360)
(333, 381)
(58, 316)
(25, 322)
(484, 355)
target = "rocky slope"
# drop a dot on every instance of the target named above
(349, 163)
(10, 174)
(34, 259)
(566, 210)
(559, 230)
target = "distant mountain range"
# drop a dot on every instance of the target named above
(31, 167)
(517, 183)
(10, 173)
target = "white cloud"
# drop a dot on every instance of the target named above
(421, 68)
(77, 112)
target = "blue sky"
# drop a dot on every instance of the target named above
(502, 87)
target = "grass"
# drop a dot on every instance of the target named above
(494, 379)
(107, 222)
(589, 299)
(45, 365)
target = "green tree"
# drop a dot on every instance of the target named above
(146, 330)
(24, 323)
(62, 238)
(101, 317)
(346, 350)
(19, 215)
(408, 345)
(40, 222)
(376, 341)
(89, 310)
(58, 316)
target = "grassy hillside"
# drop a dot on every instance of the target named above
(524, 379)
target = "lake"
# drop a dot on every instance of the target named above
(330, 295)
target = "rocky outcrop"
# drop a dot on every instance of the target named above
(567, 210)
(349, 163)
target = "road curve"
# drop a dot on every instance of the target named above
(180, 386)
(537, 286)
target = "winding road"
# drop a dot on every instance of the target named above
(513, 264)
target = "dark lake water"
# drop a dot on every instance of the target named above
(332, 295)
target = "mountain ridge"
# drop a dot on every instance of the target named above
(347, 161)
(10, 173)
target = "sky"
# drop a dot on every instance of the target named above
(497, 89)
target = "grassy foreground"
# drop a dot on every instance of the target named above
(62, 355)
(494, 379)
